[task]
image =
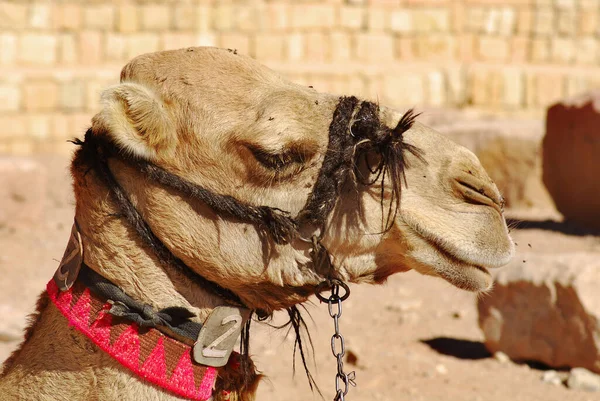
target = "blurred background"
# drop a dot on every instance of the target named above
(512, 80)
(511, 57)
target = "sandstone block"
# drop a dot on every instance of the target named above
(351, 17)
(185, 16)
(456, 86)
(513, 88)
(475, 19)
(140, 43)
(431, 20)
(99, 16)
(67, 49)
(435, 47)
(10, 97)
(38, 127)
(546, 310)
(248, 18)
(566, 22)
(60, 127)
(14, 126)
(378, 19)
(519, 49)
(22, 190)
(127, 18)
(341, 46)
(466, 47)
(524, 20)
(72, 95)
(491, 48)
(277, 16)
(571, 154)
(436, 89)
(203, 19)
(374, 47)
(295, 45)
(269, 47)
(40, 16)
(310, 16)
(565, 4)
(40, 95)
(116, 46)
(403, 90)
(90, 47)
(156, 17)
(404, 48)
(67, 16)
(8, 48)
(540, 50)
(223, 17)
(587, 22)
(548, 94)
(562, 50)
(499, 21)
(586, 51)
(13, 15)
(401, 21)
(543, 22)
(37, 49)
(318, 47)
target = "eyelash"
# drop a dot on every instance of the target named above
(277, 161)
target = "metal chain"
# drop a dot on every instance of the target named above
(343, 380)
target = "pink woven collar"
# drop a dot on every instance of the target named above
(148, 353)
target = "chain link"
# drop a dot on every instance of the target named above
(343, 380)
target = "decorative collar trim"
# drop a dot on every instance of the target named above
(148, 353)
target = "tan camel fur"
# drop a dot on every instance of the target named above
(217, 119)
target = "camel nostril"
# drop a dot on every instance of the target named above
(480, 192)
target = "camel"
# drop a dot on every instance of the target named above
(207, 183)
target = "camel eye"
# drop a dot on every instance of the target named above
(276, 161)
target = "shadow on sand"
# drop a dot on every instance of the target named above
(462, 349)
(565, 227)
(474, 350)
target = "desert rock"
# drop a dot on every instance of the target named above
(546, 310)
(571, 154)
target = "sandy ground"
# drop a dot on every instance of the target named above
(415, 338)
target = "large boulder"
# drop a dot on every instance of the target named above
(546, 308)
(571, 158)
(509, 150)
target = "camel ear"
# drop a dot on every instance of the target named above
(137, 120)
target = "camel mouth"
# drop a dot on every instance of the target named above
(437, 260)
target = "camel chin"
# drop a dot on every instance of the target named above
(461, 262)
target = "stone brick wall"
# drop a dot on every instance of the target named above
(501, 56)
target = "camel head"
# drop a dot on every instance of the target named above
(221, 122)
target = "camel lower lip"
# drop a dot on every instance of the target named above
(437, 246)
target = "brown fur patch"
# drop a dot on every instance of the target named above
(32, 321)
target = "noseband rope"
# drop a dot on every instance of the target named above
(356, 137)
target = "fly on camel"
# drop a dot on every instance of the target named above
(211, 192)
